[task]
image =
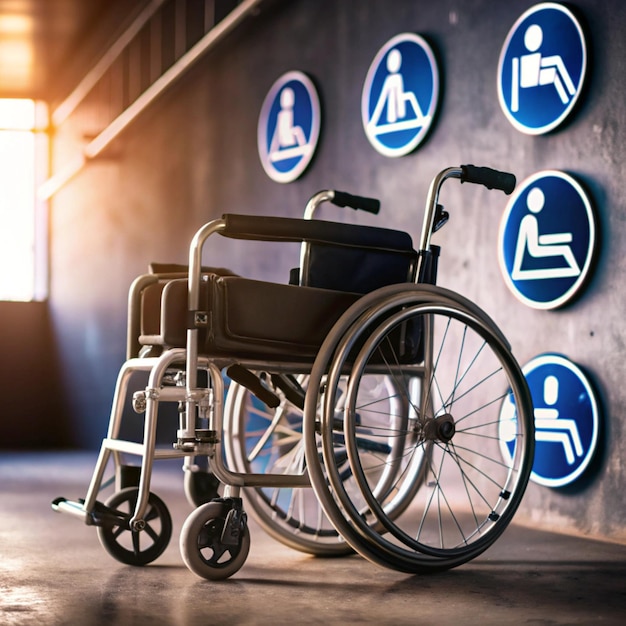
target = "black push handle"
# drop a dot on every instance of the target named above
(492, 179)
(341, 198)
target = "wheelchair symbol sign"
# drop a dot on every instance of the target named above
(547, 240)
(542, 68)
(566, 420)
(289, 126)
(400, 95)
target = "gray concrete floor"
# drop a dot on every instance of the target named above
(54, 571)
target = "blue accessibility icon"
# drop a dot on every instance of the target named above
(547, 240)
(566, 420)
(289, 126)
(542, 68)
(400, 95)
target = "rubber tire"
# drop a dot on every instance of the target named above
(109, 533)
(210, 517)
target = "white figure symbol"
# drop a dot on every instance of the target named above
(395, 98)
(533, 70)
(288, 140)
(541, 246)
(552, 428)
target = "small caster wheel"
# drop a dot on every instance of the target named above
(202, 548)
(135, 547)
(201, 487)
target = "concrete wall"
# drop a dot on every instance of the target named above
(193, 156)
(32, 413)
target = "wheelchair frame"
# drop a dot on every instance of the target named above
(201, 422)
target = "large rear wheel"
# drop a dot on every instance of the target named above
(457, 490)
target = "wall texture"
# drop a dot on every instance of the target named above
(193, 156)
(32, 410)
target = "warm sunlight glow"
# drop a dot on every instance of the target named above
(16, 50)
(17, 199)
(16, 62)
(17, 114)
(15, 25)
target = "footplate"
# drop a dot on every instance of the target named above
(101, 515)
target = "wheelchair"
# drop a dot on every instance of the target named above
(362, 413)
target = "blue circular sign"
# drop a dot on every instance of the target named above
(542, 68)
(547, 240)
(566, 420)
(400, 95)
(289, 126)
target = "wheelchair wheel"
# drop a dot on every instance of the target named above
(136, 547)
(454, 369)
(264, 440)
(202, 546)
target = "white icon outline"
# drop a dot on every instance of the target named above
(403, 111)
(550, 245)
(288, 139)
(534, 70)
(544, 242)
(550, 427)
(394, 99)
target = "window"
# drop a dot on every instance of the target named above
(22, 246)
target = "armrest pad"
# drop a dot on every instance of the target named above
(268, 228)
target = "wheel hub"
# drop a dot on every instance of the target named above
(441, 428)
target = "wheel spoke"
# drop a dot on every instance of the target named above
(449, 493)
(136, 542)
(218, 551)
(151, 533)
(118, 530)
(130, 548)
(270, 441)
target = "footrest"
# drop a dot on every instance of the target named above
(76, 508)
(100, 515)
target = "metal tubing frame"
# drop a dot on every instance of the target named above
(193, 286)
(115, 421)
(192, 394)
(147, 449)
(431, 204)
(217, 462)
(133, 324)
(217, 465)
(312, 205)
